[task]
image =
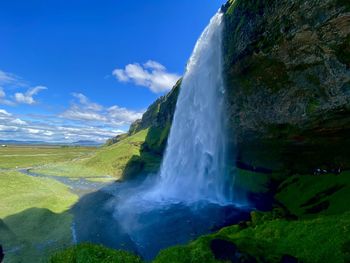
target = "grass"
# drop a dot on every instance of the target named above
(22, 157)
(19, 192)
(34, 234)
(107, 161)
(33, 217)
(88, 253)
(113, 159)
(72, 169)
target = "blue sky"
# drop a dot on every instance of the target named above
(84, 70)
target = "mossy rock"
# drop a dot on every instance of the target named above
(89, 253)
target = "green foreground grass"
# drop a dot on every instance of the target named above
(33, 217)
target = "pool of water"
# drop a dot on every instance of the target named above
(116, 218)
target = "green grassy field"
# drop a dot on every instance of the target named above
(29, 156)
(19, 192)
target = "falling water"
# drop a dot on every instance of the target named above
(194, 164)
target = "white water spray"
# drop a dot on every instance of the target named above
(193, 168)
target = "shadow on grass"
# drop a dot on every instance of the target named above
(33, 234)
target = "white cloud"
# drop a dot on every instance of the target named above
(118, 114)
(151, 74)
(4, 113)
(85, 110)
(41, 129)
(154, 65)
(27, 98)
(8, 78)
(83, 120)
(81, 113)
(18, 122)
(86, 102)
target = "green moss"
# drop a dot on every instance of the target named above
(196, 252)
(301, 194)
(88, 253)
(317, 240)
(261, 71)
(252, 182)
(313, 106)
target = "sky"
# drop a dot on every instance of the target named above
(85, 70)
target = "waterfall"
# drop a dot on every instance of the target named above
(193, 167)
(193, 193)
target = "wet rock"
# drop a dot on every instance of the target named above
(227, 251)
(2, 255)
(224, 250)
(289, 259)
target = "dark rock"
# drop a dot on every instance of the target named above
(227, 251)
(318, 208)
(2, 255)
(289, 259)
(223, 250)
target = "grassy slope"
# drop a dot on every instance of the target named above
(110, 160)
(113, 159)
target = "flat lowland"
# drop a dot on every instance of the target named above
(29, 156)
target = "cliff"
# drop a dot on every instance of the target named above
(288, 81)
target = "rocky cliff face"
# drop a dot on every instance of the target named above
(288, 80)
(157, 120)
